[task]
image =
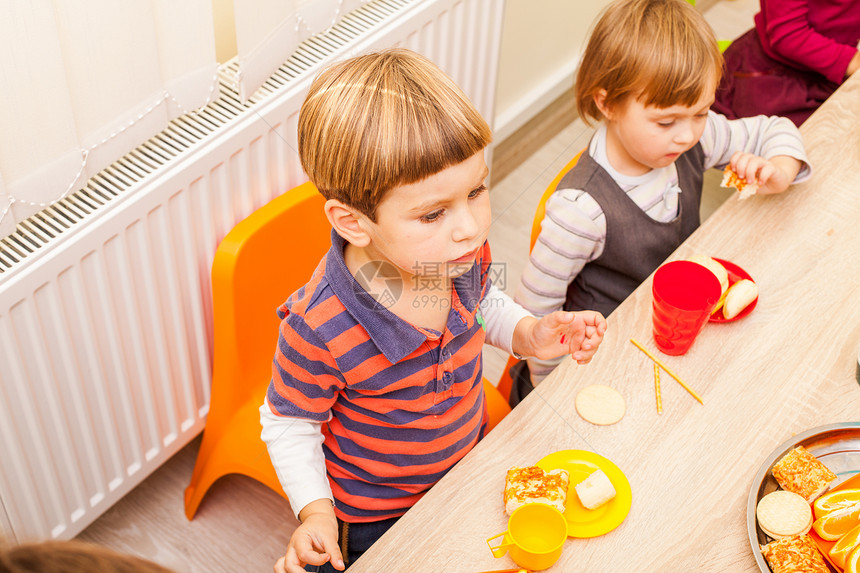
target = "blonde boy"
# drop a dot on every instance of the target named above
(376, 384)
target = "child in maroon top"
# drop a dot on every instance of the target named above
(795, 57)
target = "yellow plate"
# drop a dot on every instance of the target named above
(582, 522)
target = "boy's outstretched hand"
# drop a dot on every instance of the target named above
(314, 542)
(559, 333)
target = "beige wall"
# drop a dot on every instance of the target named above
(541, 44)
(225, 30)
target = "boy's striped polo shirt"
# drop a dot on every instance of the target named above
(401, 404)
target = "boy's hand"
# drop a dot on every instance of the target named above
(559, 333)
(314, 542)
(773, 175)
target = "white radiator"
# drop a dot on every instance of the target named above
(105, 303)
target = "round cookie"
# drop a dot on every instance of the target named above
(773, 535)
(783, 514)
(600, 405)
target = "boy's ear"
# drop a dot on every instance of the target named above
(347, 222)
(600, 102)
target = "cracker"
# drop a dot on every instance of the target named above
(600, 405)
(783, 514)
(773, 535)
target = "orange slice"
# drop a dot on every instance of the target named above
(837, 523)
(843, 547)
(852, 564)
(836, 500)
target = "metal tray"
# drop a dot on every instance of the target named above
(837, 446)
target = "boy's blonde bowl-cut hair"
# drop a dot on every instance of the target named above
(662, 52)
(381, 120)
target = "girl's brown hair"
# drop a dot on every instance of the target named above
(381, 120)
(662, 52)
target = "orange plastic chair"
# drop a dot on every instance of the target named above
(261, 261)
(505, 382)
(256, 267)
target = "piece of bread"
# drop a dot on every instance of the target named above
(715, 267)
(801, 472)
(595, 490)
(534, 485)
(783, 514)
(796, 554)
(739, 296)
(732, 179)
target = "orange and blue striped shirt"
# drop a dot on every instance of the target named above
(400, 405)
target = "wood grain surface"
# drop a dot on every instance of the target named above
(787, 367)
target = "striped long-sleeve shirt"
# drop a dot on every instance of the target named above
(368, 409)
(573, 231)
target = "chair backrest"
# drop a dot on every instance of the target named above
(541, 208)
(505, 381)
(262, 260)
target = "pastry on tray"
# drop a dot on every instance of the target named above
(801, 472)
(797, 554)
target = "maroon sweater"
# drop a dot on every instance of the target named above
(817, 35)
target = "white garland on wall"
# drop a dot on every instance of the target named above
(70, 188)
(259, 57)
(304, 20)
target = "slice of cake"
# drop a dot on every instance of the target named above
(534, 485)
(801, 472)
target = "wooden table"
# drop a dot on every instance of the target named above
(787, 367)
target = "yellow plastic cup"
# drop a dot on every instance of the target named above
(535, 536)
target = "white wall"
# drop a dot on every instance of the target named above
(541, 44)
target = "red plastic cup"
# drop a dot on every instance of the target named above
(684, 293)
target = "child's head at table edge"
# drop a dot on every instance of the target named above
(382, 120)
(659, 52)
(71, 557)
